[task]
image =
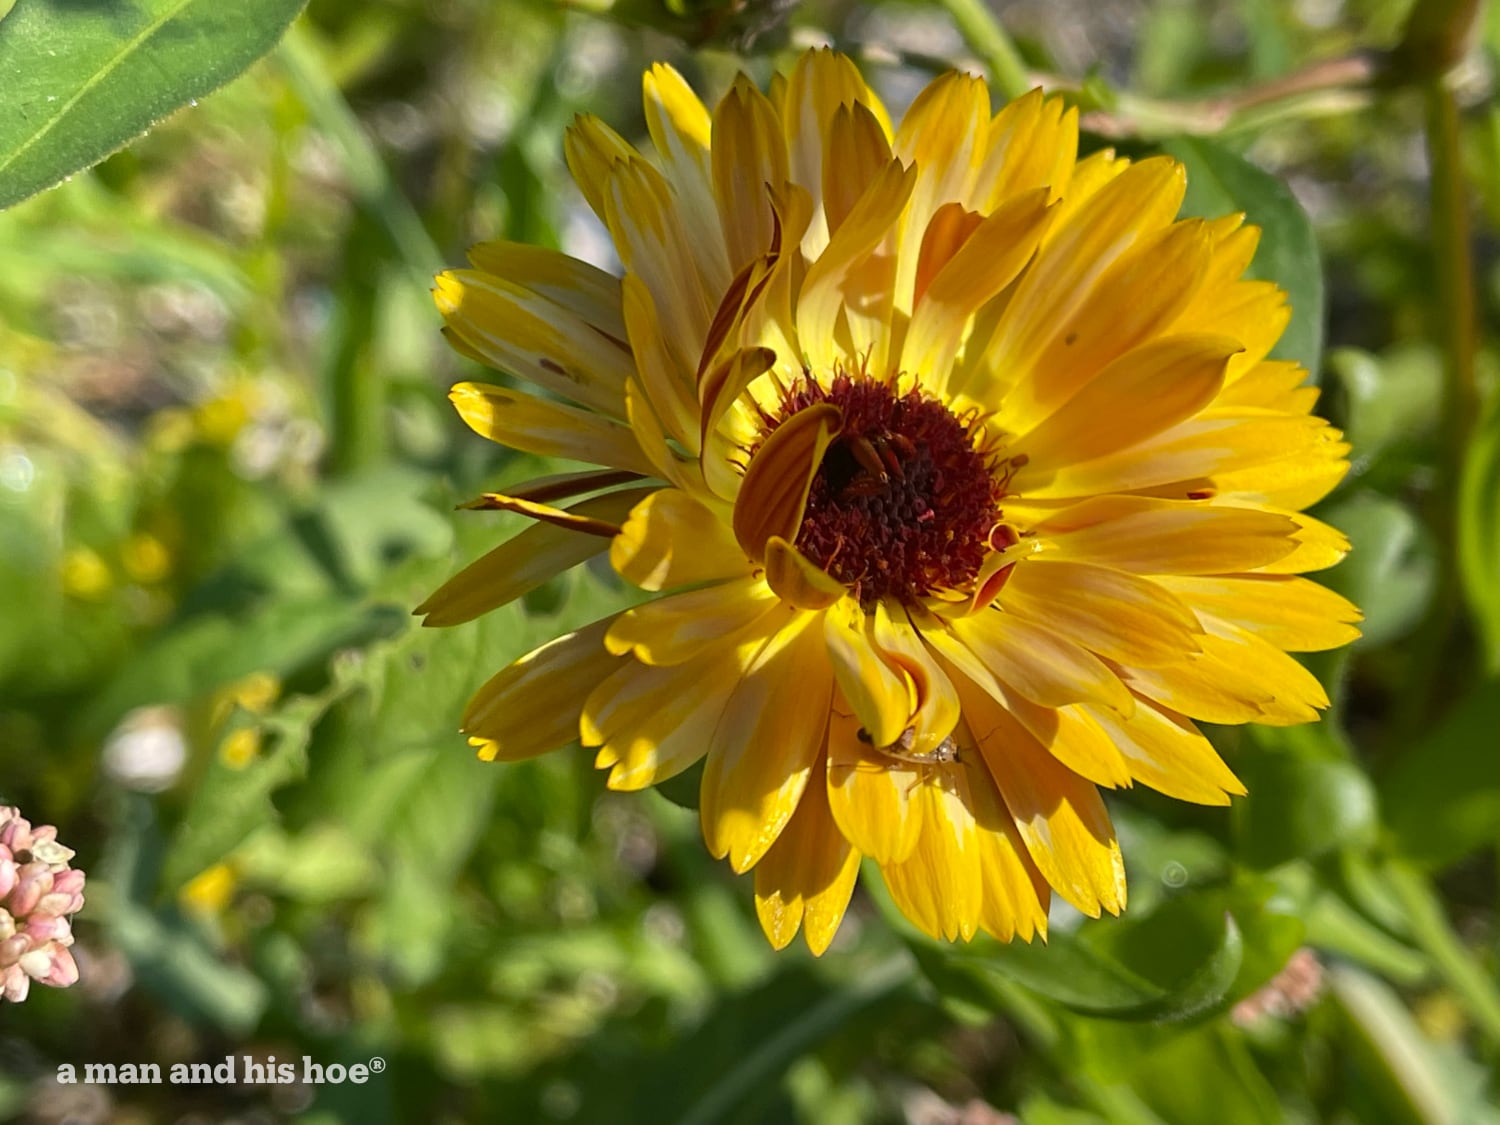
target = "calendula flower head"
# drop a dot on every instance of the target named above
(38, 892)
(958, 464)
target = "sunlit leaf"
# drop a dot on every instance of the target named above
(1479, 533)
(82, 79)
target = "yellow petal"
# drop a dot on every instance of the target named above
(878, 692)
(591, 149)
(858, 151)
(551, 429)
(765, 744)
(844, 310)
(1114, 613)
(870, 793)
(1293, 614)
(523, 563)
(1074, 737)
(985, 264)
(1014, 895)
(936, 713)
(749, 154)
(940, 885)
(1166, 752)
(1319, 546)
(675, 629)
(992, 647)
(680, 128)
(774, 492)
(671, 539)
(664, 372)
(1032, 143)
(531, 707)
(808, 875)
(1158, 537)
(1059, 814)
(582, 289)
(513, 329)
(1081, 243)
(1138, 396)
(796, 580)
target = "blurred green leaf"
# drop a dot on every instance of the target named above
(232, 799)
(1300, 805)
(82, 79)
(1391, 399)
(1221, 182)
(1391, 568)
(1210, 1067)
(1442, 799)
(1479, 532)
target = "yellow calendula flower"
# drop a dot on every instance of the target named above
(959, 465)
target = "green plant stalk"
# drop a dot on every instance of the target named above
(1454, 315)
(1472, 985)
(982, 31)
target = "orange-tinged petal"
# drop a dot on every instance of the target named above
(1074, 737)
(766, 743)
(773, 494)
(531, 707)
(551, 429)
(524, 562)
(675, 629)
(1033, 142)
(1059, 814)
(858, 151)
(807, 877)
(936, 713)
(671, 539)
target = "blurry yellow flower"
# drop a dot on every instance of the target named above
(240, 747)
(220, 420)
(962, 469)
(85, 575)
(145, 558)
(254, 692)
(210, 890)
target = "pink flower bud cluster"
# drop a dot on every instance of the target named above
(38, 890)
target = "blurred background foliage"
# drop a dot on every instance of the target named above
(228, 470)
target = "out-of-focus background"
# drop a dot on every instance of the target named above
(228, 472)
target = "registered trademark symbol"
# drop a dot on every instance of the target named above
(377, 1064)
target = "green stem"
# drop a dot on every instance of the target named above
(1454, 314)
(1472, 985)
(979, 27)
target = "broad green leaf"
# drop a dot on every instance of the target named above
(1479, 533)
(1442, 799)
(82, 79)
(1300, 805)
(1221, 182)
(1390, 400)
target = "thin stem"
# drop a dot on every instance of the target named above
(984, 34)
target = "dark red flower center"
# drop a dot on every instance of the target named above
(903, 502)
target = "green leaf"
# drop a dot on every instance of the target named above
(1391, 568)
(82, 79)
(1442, 799)
(1300, 805)
(1479, 533)
(1221, 182)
